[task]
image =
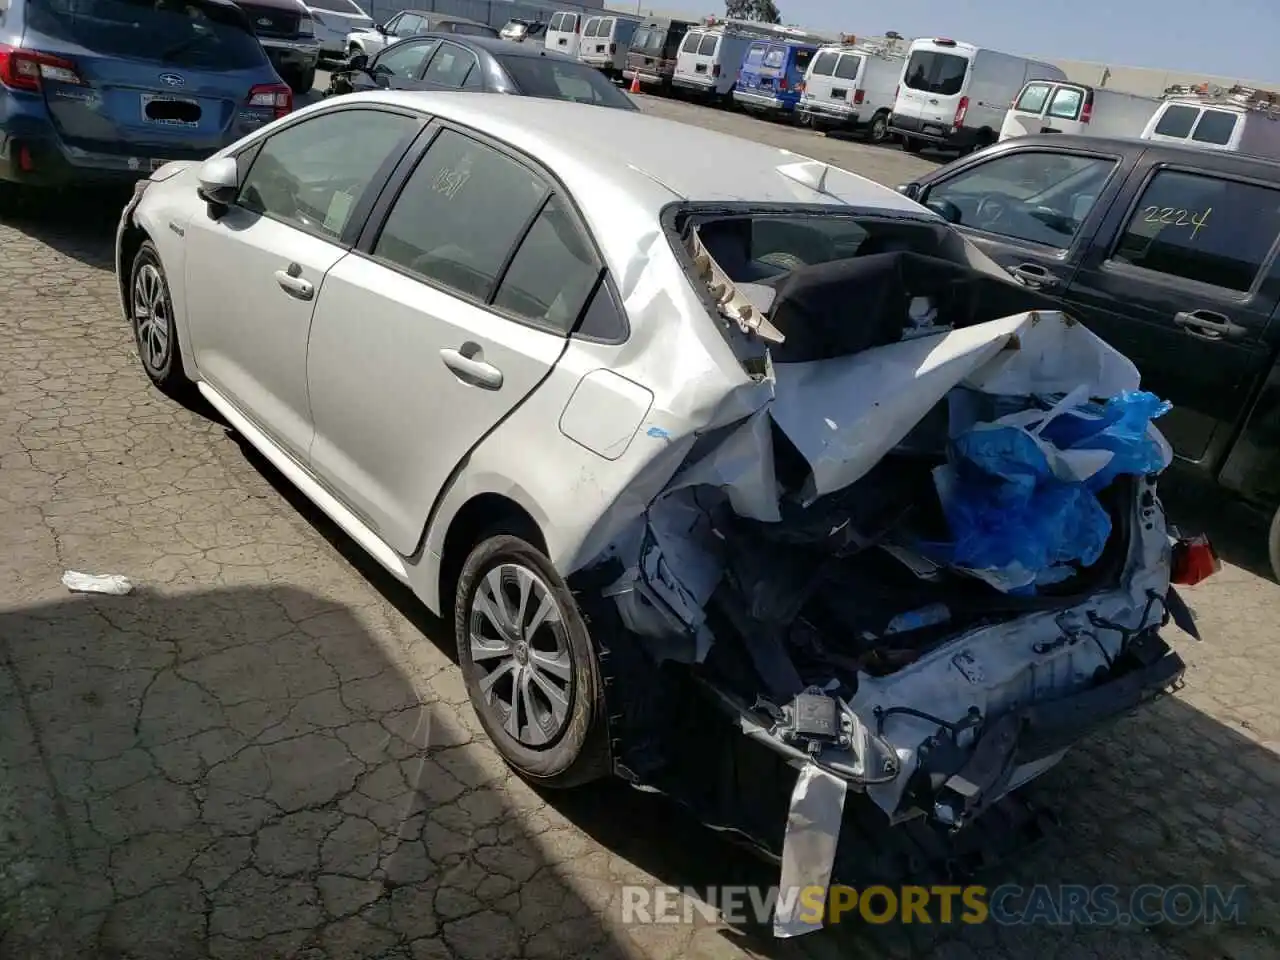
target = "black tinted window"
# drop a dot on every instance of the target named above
(552, 272)
(707, 45)
(563, 80)
(933, 72)
(592, 28)
(557, 22)
(1202, 228)
(313, 173)
(460, 213)
(449, 66)
(847, 68)
(1176, 121)
(801, 58)
(1216, 127)
(183, 34)
(688, 45)
(824, 66)
(602, 320)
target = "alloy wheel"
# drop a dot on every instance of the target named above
(520, 646)
(152, 318)
(879, 129)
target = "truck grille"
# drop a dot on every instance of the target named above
(270, 22)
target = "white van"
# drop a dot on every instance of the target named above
(711, 56)
(956, 95)
(1218, 123)
(605, 41)
(564, 32)
(1044, 106)
(852, 88)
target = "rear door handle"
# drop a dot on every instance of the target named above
(1208, 325)
(472, 371)
(1034, 275)
(291, 282)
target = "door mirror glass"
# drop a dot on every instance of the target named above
(219, 181)
(945, 209)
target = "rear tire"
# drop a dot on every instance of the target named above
(1273, 546)
(878, 131)
(912, 145)
(302, 81)
(534, 680)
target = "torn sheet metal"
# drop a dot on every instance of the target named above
(809, 847)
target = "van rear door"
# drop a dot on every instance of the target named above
(932, 85)
(1025, 116)
(1066, 110)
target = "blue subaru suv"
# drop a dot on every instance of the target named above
(109, 90)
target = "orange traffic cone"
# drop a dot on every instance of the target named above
(635, 83)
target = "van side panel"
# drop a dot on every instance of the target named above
(1117, 114)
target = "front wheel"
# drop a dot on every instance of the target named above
(154, 330)
(529, 664)
(878, 132)
(1273, 546)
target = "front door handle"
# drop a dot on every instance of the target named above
(291, 282)
(1034, 275)
(1208, 325)
(472, 371)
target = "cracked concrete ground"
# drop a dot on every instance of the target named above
(266, 750)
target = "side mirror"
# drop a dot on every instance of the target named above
(909, 190)
(945, 209)
(219, 182)
(381, 28)
(359, 62)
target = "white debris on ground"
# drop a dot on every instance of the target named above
(111, 584)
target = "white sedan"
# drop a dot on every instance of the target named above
(657, 419)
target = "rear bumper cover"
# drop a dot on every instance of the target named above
(764, 101)
(917, 129)
(828, 111)
(54, 164)
(291, 54)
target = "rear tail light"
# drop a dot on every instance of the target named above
(25, 161)
(859, 96)
(1194, 561)
(273, 96)
(961, 109)
(715, 69)
(1086, 112)
(27, 69)
(782, 83)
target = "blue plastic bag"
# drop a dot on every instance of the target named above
(1121, 426)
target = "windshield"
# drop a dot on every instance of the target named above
(337, 6)
(180, 32)
(564, 80)
(932, 72)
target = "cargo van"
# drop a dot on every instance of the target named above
(652, 57)
(772, 76)
(605, 42)
(564, 32)
(1043, 106)
(956, 95)
(1234, 123)
(851, 88)
(712, 55)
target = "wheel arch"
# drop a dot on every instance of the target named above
(139, 229)
(483, 515)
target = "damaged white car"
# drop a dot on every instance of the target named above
(740, 476)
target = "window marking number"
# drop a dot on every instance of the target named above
(1174, 217)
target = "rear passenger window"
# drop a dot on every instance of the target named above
(1176, 121)
(1216, 127)
(690, 44)
(755, 55)
(1033, 98)
(1066, 103)
(312, 174)
(847, 68)
(1202, 228)
(775, 58)
(552, 273)
(459, 215)
(592, 28)
(707, 46)
(825, 65)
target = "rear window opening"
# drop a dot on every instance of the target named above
(1067, 103)
(189, 33)
(1033, 98)
(803, 58)
(931, 72)
(848, 67)
(557, 80)
(1176, 121)
(1215, 127)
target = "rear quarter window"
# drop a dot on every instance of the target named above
(775, 58)
(847, 68)
(689, 45)
(707, 46)
(802, 57)
(1215, 127)
(825, 64)
(755, 55)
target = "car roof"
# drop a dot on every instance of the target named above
(590, 147)
(1190, 153)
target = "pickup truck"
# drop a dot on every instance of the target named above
(1169, 253)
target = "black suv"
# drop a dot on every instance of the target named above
(288, 36)
(1169, 253)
